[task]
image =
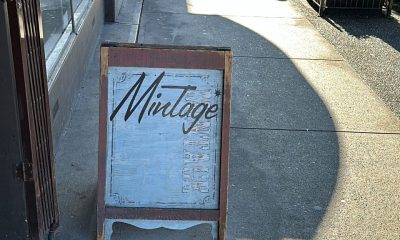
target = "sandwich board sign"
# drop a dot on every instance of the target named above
(163, 137)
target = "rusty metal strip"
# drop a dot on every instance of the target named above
(102, 155)
(165, 57)
(161, 214)
(225, 145)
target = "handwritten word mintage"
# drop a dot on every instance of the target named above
(154, 105)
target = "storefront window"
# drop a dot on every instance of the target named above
(61, 22)
(76, 3)
(56, 15)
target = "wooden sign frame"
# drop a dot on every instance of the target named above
(156, 56)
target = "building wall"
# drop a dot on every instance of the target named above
(63, 89)
(112, 9)
(51, 4)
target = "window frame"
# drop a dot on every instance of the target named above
(60, 51)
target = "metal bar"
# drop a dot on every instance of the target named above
(322, 7)
(32, 69)
(102, 144)
(72, 17)
(42, 89)
(351, 4)
(389, 8)
(47, 127)
(145, 57)
(375, 8)
(41, 131)
(224, 169)
(36, 104)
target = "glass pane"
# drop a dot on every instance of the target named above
(75, 4)
(56, 15)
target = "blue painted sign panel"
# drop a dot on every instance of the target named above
(164, 133)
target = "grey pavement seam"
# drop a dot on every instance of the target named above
(122, 23)
(294, 58)
(139, 23)
(314, 130)
(220, 15)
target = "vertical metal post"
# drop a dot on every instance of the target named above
(72, 17)
(389, 8)
(322, 7)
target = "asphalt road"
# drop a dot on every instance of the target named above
(371, 45)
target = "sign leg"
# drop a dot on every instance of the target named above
(108, 230)
(214, 231)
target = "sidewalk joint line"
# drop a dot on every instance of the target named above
(314, 130)
(222, 15)
(122, 23)
(139, 22)
(294, 58)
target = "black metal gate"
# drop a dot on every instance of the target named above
(354, 4)
(34, 169)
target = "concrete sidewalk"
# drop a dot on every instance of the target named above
(314, 152)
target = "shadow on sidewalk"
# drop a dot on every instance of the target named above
(283, 168)
(366, 24)
(282, 175)
(386, 29)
